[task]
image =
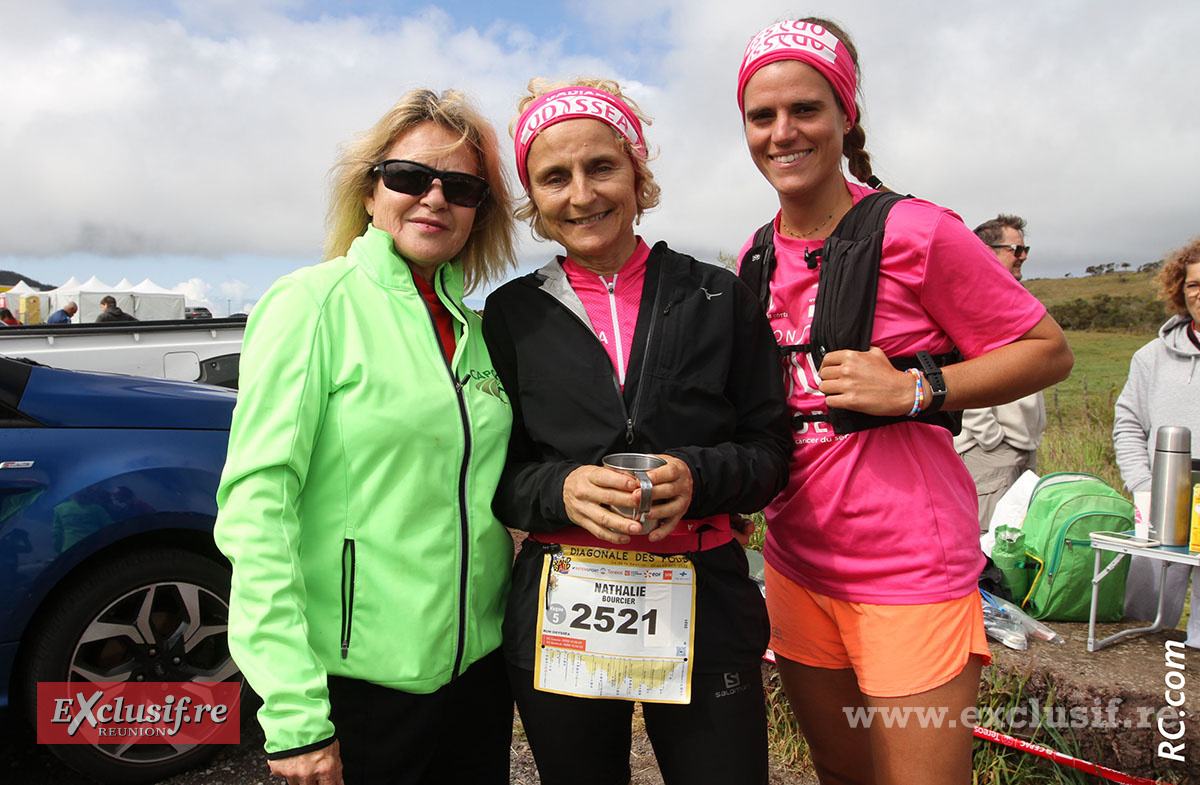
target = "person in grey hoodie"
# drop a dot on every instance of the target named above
(1163, 389)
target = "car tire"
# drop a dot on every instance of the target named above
(159, 614)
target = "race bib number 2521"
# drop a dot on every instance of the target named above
(616, 624)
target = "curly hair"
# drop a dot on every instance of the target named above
(490, 249)
(647, 190)
(1172, 275)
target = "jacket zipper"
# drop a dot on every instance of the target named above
(612, 307)
(628, 414)
(463, 527)
(347, 595)
(464, 541)
(645, 356)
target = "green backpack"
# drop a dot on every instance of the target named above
(1055, 576)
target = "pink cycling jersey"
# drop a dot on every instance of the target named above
(612, 303)
(888, 515)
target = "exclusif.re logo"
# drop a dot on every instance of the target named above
(142, 712)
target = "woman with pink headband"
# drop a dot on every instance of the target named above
(619, 348)
(872, 549)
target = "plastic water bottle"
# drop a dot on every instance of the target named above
(1171, 486)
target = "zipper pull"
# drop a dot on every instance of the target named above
(345, 649)
(667, 310)
(459, 384)
(629, 431)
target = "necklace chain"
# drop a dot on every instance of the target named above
(805, 235)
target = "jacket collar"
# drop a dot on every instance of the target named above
(554, 283)
(375, 252)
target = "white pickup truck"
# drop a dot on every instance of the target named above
(194, 350)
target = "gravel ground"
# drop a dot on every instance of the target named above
(23, 762)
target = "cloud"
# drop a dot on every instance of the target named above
(130, 136)
(194, 290)
(235, 290)
(208, 135)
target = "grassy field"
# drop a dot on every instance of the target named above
(1079, 411)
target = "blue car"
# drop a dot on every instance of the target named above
(108, 571)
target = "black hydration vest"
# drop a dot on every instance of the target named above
(844, 314)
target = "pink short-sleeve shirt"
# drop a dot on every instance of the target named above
(888, 515)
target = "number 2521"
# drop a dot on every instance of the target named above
(604, 618)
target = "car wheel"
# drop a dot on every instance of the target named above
(158, 614)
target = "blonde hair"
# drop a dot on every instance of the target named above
(490, 247)
(647, 190)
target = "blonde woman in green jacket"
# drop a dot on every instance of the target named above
(369, 573)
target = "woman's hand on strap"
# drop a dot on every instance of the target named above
(588, 489)
(672, 495)
(319, 767)
(866, 382)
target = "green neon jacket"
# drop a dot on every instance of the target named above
(356, 498)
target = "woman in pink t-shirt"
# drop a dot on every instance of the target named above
(872, 549)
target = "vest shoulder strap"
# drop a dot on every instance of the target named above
(844, 312)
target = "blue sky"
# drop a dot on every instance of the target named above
(189, 141)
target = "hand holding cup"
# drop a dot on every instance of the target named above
(592, 496)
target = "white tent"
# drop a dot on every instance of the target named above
(147, 301)
(63, 295)
(17, 299)
(87, 296)
(152, 302)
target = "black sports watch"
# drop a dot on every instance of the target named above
(937, 383)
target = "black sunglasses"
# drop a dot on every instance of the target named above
(1018, 250)
(414, 179)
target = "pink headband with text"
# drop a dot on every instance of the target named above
(812, 45)
(567, 103)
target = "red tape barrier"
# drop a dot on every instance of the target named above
(1059, 757)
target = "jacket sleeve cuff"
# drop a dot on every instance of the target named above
(318, 745)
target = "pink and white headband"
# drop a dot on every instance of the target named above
(810, 44)
(567, 103)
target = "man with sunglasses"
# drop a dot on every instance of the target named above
(998, 443)
(1005, 235)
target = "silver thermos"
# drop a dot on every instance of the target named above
(1171, 486)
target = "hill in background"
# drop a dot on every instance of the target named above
(9, 278)
(1111, 300)
(1053, 291)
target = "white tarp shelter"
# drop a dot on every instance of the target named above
(146, 301)
(87, 296)
(152, 302)
(18, 300)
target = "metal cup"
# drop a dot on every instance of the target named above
(636, 464)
